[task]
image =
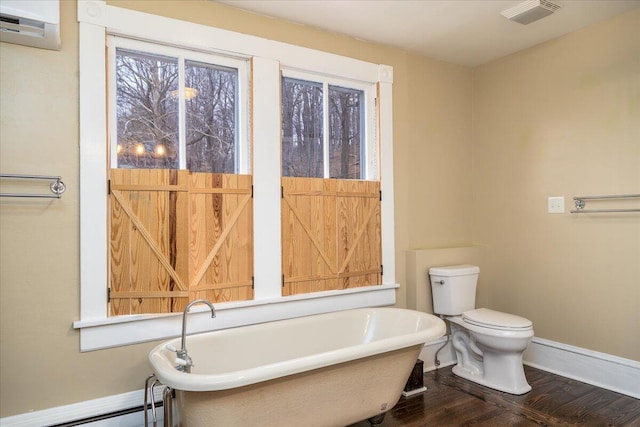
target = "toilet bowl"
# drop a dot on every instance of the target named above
(488, 344)
(491, 355)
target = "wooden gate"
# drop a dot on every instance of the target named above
(177, 236)
(330, 234)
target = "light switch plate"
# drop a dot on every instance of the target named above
(555, 205)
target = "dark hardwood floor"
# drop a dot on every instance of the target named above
(554, 401)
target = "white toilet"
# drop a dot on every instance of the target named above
(488, 344)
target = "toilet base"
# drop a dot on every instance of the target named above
(478, 378)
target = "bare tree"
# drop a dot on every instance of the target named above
(211, 118)
(345, 116)
(302, 130)
(148, 113)
(148, 119)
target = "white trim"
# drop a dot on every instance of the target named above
(266, 179)
(268, 57)
(385, 150)
(93, 173)
(314, 77)
(370, 141)
(189, 35)
(326, 173)
(591, 367)
(87, 409)
(414, 392)
(385, 74)
(112, 332)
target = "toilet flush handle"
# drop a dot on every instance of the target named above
(441, 282)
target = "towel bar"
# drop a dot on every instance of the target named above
(57, 187)
(580, 203)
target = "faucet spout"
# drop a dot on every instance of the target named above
(185, 366)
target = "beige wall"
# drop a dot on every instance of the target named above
(562, 119)
(40, 364)
(440, 197)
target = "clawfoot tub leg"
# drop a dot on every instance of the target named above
(377, 420)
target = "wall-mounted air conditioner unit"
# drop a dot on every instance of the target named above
(31, 22)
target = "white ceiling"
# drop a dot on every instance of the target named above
(465, 32)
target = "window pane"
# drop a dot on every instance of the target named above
(302, 134)
(147, 110)
(346, 119)
(210, 96)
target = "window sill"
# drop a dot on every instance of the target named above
(96, 334)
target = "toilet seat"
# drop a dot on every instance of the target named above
(491, 319)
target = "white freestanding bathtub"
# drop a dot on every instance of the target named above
(325, 370)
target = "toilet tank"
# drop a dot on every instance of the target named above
(453, 288)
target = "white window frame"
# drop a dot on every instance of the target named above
(242, 154)
(268, 58)
(370, 159)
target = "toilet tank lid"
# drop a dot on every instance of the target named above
(454, 270)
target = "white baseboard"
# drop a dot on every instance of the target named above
(88, 409)
(591, 367)
(599, 369)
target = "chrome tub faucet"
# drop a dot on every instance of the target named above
(184, 362)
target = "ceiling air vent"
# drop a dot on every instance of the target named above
(31, 23)
(530, 11)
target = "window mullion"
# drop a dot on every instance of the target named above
(241, 161)
(372, 139)
(182, 126)
(325, 130)
(113, 119)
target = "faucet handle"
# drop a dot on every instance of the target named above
(171, 348)
(180, 362)
(183, 363)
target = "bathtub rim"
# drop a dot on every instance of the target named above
(164, 369)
